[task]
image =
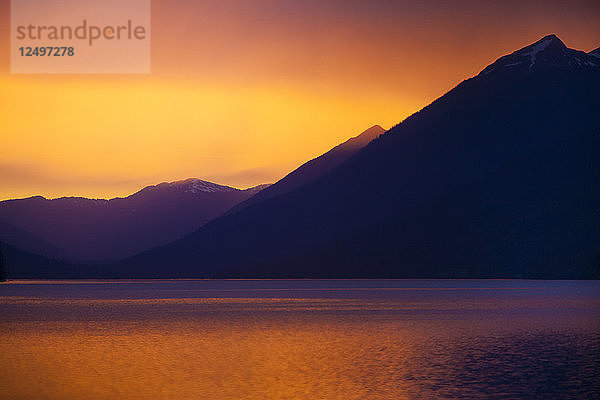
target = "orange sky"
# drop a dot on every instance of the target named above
(242, 91)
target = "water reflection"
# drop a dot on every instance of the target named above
(300, 340)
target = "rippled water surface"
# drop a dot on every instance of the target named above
(390, 339)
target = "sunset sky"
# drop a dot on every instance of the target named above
(242, 92)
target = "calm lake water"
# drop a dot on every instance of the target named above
(314, 339)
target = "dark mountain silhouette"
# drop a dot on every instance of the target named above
(314, 168)
(3, 271)
(25, 240)
(80, 229)
(497, 178)
(21, 264)
(536, 217)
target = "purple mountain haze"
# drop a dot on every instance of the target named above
(92, 230)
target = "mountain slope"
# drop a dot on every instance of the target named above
(314, 168)
(21, 264)
(25, 240)
(96, 230)
(537, 217)
(595, 53)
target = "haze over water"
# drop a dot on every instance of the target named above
(321, 339)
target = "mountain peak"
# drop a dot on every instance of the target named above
(549, 43)
(375, 127)
(315, 168)
(373, 131)
(364, 138)
(547, 53)
(190, 185)
(595, 53)
(552, 38)
(195, 185)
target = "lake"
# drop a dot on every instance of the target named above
(300, 339)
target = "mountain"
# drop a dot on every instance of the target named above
(497, 178)
(25, 240)
(89, 230)
(3, 271)
(314, 168)
(20, 264)
(548, 54)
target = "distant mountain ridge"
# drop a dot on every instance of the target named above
(497, 178)
(195, 185)
(33, 256)
(86, 230)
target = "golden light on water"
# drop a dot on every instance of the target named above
(293, 340)
(210, 360)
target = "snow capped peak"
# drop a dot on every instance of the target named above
(532, 51)
(195, 185)
(191, 185)
(547, 53)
